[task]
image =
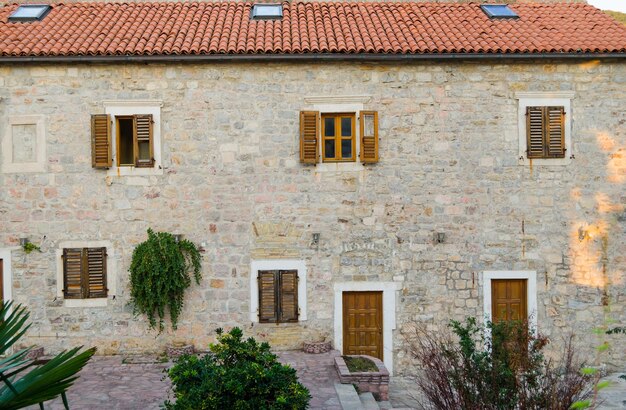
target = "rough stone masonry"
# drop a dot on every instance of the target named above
(231, 179)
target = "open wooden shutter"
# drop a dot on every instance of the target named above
(72, 273)
(555, 131)
(369, 136)
(309, 136)
(534, 132)
(97, 272)
(144, 151)
(268, 311)
(288, 291)
(101, 141)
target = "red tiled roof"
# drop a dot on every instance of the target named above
(199, 28)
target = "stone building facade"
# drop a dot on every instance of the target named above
(452, 204)
(231, 180)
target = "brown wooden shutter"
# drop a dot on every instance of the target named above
(369, 136)
(309, 136)
(555, 131)
(101, 141)
(96, 272)
(268, 310)
(72, 273)
(534, 132)
(288, 293)
(144, 140)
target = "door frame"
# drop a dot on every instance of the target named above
(531, 293)
(7, 282)
(389, 290)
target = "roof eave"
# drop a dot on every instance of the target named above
(309, 57)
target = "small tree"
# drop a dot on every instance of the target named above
(237, 374)
(499, 366)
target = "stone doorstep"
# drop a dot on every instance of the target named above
(374, 382)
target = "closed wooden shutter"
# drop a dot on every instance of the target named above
(369, 136)
(534, 132)
(96, 272)
(555, 132)
(545, 132)
(101, 141)
(309, 136)
(144, 151)
(72, 273)
(268, 309)
(288, 293)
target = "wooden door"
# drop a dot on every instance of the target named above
(508, 299)
(363, 323)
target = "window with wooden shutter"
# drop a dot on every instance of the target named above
(309, 135)
(545, 132)
(369, 136)
(288, 294)
(278, 296)
(144, 156)
(84, 273)
(135, 145)
(101, 141)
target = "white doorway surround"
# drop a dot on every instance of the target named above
(389, 290)
(7, 276)
(531, 292)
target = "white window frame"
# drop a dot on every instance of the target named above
(544, 99)
(39, 165)
(389, 290)
(135, 107)
(339, 105)
(7, 274)
(111, 273)
(531, 292)
(277, 264)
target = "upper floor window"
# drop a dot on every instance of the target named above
(332, 137)
(128, 137)
(544, 127)
(545, 132)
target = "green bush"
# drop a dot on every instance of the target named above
(159, 275)
(237, 374)
(498, 366)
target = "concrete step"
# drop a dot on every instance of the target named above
(348, 397)
(368, 401)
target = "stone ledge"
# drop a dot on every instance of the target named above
(375, 382)
(316, 347)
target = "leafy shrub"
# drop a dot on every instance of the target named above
(159, 275)
(237, 374)
(506, 370)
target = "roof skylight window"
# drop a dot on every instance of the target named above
(498, 11)
(266, 11)
(30, 12)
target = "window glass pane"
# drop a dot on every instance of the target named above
(368, 125)
(144, 150)
(329, 127)
(329, 147)
(125, 150)
(346, 127)
(346, 148)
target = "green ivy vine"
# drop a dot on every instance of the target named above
(160, 272)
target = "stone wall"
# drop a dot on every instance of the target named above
(232, 180)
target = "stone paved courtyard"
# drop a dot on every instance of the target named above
(137, 382)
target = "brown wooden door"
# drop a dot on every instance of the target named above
(363, 323)
(508, 299)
